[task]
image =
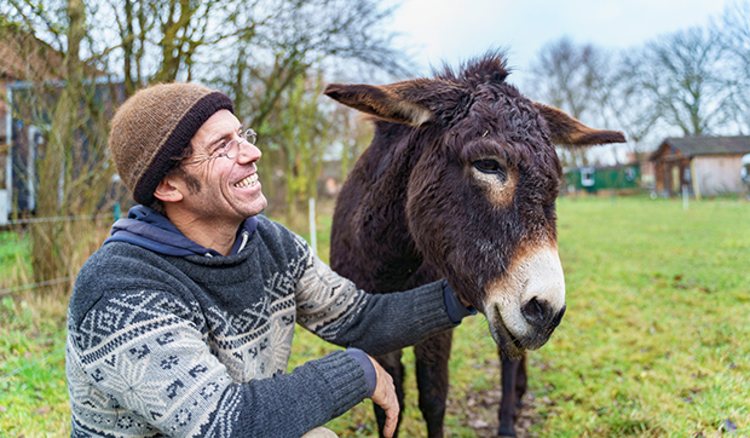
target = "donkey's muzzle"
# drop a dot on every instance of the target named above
(525, 306)
(542, 320)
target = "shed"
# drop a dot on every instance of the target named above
(706, 166)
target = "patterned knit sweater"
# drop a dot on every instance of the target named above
(163, 345)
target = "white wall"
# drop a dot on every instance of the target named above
(717, 174)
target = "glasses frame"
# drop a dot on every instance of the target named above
(230, 150)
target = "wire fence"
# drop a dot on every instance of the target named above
(10, 291)
(33, 364)
(116, 213)
(59, 219)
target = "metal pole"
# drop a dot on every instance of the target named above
(685, 197)
(313, 228)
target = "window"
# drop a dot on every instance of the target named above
(587, 176)
(629, 174)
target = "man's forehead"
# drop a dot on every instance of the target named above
(218, 126)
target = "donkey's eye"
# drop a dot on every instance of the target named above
(489, 166)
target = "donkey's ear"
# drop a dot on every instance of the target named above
(567, 131)
(389, 102)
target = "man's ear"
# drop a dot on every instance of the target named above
(167, 191)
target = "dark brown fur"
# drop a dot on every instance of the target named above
(410, 212)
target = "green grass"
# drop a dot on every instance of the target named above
(33, 390)
(15, 263)
(654, 342)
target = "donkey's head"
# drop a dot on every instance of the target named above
(480, 201)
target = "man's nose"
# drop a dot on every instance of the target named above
(248, 152)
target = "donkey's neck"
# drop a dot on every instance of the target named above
(370, 228)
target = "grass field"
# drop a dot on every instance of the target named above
(655, 342)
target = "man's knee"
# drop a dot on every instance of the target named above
(320, 432)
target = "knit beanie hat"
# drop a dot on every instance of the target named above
(153, 127)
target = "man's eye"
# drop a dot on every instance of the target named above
(222, 148)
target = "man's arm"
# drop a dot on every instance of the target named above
(158, 366)
(332, 307)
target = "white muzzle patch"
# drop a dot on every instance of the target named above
(538, 276)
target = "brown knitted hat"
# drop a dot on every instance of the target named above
(153, 127)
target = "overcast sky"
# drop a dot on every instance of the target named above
(454, 31)
(437, 31)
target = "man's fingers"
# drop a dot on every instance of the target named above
(391, 420)
(385, 397)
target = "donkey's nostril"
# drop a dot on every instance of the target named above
(536, 312)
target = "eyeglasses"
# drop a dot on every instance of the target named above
(230, 148)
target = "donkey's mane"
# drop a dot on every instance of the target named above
(492, 67)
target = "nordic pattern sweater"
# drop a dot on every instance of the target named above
(163, 345)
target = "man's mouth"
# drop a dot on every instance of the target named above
(249, 181)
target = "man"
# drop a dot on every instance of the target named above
(182, 323)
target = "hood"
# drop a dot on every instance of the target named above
(149, 229)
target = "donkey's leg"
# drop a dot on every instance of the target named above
(508, 402)
(521, 381)
(391, 363)
(432, 380)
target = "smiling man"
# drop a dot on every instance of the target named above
(182, 323)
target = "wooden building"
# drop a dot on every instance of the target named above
(30, 87)
(705, 166)
(22, 58)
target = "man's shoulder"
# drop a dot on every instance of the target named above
(276, 235)
(266, 225)
(115, 256)
(113, 268)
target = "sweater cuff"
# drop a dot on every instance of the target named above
(453, 306)
(345, 379)
(370, 375)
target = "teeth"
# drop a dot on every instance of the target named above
(249, 181)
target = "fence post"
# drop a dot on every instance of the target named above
(685, 197)
(313, 228)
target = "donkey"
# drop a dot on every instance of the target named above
(460, 183)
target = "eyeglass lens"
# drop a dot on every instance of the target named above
(233, 147)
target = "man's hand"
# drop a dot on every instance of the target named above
(385, 397)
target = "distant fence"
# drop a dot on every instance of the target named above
(59, 219)
(116, 213)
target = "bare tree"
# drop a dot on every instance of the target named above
(574, 78)
(161, 40)
(282, 52)
(303, 130)
(261, 52)
(684, 75)
(734, 28)
(300, 34)
(61, 100)
(629, 103)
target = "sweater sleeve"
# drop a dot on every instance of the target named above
(333, 308)
(139, 354)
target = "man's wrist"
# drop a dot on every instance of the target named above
(453, 306)
(370, 375)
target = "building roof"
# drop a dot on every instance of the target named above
(23, 57)
(692, 146)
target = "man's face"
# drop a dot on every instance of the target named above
(229, 188)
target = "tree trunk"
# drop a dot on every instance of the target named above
(48, 258)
